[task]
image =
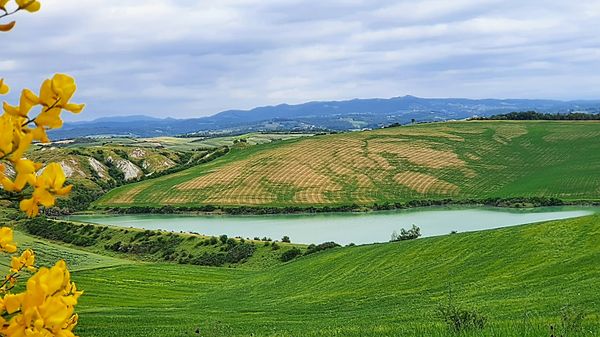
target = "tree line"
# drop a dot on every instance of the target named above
(538, 116)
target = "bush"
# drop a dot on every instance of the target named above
(79, 235)
(240, 253)
(459, 319)
(290, 254)
(274, 246)
(286, 239)
(410, 234)
(209, 259)
(231, 242)
(323, 246)
(223, 238)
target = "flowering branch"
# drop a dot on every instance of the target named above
(47, 305)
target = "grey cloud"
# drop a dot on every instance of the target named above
(187, 58)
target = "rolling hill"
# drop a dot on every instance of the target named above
(327, 115)
(521, 278)
(453, 160)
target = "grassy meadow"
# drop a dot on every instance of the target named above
(521, 278)
(453, 160)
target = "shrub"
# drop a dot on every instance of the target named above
(231, 242)
(323, 246)
(223, 238)
(459, 319)
(410, 234)
(290, 254)
(240, 253)
(61, 231)
(209, 259)
(274, 246)
(286, 239)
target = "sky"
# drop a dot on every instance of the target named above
(185, 58)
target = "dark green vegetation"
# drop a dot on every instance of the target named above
(537, 116)
(157, 246)
(521, 279)
(410, 234)
(551, 161)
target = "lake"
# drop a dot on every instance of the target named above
(343, 228)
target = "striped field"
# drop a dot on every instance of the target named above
(521, 278)
(455, 160)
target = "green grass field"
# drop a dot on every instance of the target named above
(519, 277)
(454, 160)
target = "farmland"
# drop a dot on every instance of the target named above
(453, 160)
(521, 278)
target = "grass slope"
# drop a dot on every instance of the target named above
(520, 277)
(456, 160)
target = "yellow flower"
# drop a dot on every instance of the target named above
(53, 178)
(30, 207)
(12, 302)
(6, 240)
(29, 5)
(55, 95)
(46, 308)
(46, 187)
(58, 91)
(28, 101)
(5, 27)
(25, 169)
(6, 134)
(4, 89)
(14, 139)
(26, 260)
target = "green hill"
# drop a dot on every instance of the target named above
(521, 278)
(454, 160)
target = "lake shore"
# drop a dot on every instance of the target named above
(343, 227)
(511, 203)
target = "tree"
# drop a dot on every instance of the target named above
(411, 234)
(286, 239)
(46, 306)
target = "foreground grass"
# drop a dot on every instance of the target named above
(519, 277)
(456, 160)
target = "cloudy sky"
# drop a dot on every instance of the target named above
(184, 58)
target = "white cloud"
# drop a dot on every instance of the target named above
(189, 58)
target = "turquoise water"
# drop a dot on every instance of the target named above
(342, 228)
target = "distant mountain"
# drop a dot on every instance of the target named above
(333, 115)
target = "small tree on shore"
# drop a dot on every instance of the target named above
(411, 234)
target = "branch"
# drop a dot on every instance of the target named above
(13, 276)
(46, 109)
(7, 13)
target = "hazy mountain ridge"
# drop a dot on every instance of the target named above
(331, 115)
